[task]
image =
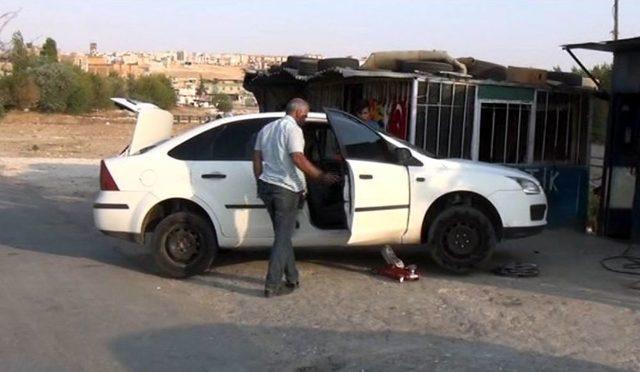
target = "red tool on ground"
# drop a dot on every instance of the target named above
(395, 268)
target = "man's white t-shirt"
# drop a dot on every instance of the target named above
(277, 141)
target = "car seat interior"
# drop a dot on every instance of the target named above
(326, 202)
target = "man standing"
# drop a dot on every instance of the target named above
(280, 166)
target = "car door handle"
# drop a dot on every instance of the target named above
(366, 177)
(214, 176)
(420, 179)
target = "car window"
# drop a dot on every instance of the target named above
(233, 141)
(358, 140)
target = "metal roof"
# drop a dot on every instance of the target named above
(615, 46)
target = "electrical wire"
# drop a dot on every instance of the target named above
(632, 267)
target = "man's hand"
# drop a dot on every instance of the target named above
(329, 178)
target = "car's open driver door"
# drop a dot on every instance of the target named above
(378, 188)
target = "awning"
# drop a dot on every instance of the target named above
(622, 45)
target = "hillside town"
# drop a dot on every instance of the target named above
(196, 77)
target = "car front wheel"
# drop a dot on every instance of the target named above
(460, 238)
(183, 245)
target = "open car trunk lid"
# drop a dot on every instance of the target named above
(153, 124)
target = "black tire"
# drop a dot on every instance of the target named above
(308, 67)
(294, 61)
(566, 78)
(483, 69)
(460, 238)
(424, 66)
(327, 63)
(183, 245)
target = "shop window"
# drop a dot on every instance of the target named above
(561, 125)
(444, 123)
(504, 129)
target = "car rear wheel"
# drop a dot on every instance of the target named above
(460, 238)
(183, 245)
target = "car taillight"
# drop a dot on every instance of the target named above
(106, 181)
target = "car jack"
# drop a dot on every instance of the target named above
(395, 268)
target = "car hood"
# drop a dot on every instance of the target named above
(476, 166)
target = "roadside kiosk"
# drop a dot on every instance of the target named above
(531, 119)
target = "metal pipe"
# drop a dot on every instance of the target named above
(439, 117)
(506, 135)
(464, 118)
(531, 135)
(475, 137)
(518, 141)
(453, 103)
(426, 117)
(493, 128)
(544, 132)
(414, 111)
(566, 140)
(595, 81)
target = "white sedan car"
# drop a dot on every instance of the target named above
(195, 193)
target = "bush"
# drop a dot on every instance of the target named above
(57, 82)
(57, 87)
(223, 102)
(26, 92)
(155, 89)
(81, 95)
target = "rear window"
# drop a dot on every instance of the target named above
(233, 141)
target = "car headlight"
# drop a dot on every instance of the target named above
(528, 186)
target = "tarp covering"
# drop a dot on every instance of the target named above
(390, 60)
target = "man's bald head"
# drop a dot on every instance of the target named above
(298, 109)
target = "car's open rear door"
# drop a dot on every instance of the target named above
(378, 205)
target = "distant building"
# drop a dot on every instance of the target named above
(180, 55)
(93, 49)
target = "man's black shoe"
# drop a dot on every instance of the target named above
(292, 285)
(277, 291)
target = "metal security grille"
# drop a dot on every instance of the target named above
(561, 127)
(504, 129)
(444, 122)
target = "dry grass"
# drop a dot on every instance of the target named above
(95, 135)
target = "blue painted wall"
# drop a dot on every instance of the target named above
(567, 189)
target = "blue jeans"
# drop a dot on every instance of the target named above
(282, 205)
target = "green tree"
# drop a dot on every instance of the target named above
(19, 55)
(49, 51)
(223, 102)
(201, 90)
(56, 82)
(26, 91)
(156, 89)
(81, 96)
(117, 85)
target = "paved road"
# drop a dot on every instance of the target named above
(72, 299)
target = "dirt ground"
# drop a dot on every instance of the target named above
(574, 316)
(96, 135)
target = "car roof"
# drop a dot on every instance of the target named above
(313, 116)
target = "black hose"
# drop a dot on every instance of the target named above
(631, 267)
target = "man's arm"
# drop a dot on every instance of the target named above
(311, 170)
(257, 164)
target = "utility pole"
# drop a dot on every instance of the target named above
(615, 20)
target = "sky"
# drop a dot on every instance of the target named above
(510, 32)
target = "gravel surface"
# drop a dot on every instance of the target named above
(78, 300)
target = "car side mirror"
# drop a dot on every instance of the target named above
(404, 157)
